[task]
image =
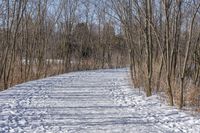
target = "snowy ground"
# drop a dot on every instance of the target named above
(93, 101)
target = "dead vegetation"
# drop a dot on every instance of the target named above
(159, 40)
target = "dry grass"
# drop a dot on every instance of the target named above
(17, 77)
(193, 96)
(191, 92)
(141, 78)
(52, 69)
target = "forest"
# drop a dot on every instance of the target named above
(159, 40)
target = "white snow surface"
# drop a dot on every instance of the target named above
(88, 102)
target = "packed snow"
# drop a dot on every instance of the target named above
(88, 102)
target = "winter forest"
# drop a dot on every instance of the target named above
(159, 40)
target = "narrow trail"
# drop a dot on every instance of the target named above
(88, 101)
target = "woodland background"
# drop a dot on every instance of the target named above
(158, 39)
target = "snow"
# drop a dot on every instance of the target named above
(88, 102)
(48, 61)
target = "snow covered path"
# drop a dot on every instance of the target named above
(93, 101)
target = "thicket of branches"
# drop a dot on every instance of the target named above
(164, 43)
(39, 38)
(159, 39)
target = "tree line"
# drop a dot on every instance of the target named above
(164, 43)
(159, 40)
(48, 37)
